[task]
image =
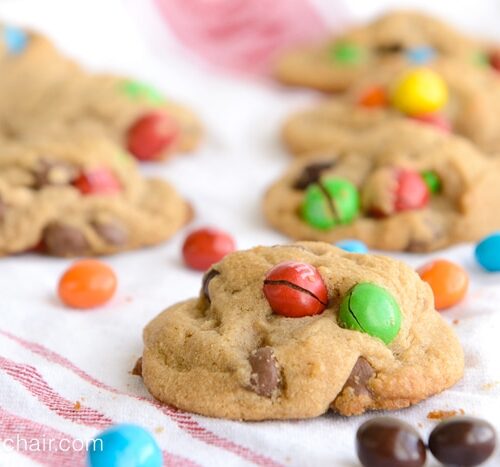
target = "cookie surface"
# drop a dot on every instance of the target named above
(333, 66)
(226, 354)
(80, 198)
(460, 210)
(43, 92)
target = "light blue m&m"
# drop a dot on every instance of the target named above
(124, 446)
(15, 39)
(352, 246)
(421, 55)
(488, 252)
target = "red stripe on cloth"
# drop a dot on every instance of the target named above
(14, 428)
(182, 419)
(243, 35)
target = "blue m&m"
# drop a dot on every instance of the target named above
(352, 246)
(488, 252)
(421, 55)
(15, 39)
(124, 446)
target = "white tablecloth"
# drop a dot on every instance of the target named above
(66, 374)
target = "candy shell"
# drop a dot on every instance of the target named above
(347, 53)
(421, 55)
(15, 39)
(124, 445)
(487, 252)
(352, 246)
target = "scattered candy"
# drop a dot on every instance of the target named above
(352, 246)
(347, 53)
(494, 60)
(487, 252)
(15, 39)
(371, 309)
(151, 134)
(464, 441)
(97, 182)
(421, 55)
(295, 289)
(329, 203)
(420, 91)
(437, 121)
(432, 181)
(124, 446)
(448, 281)
(389, 442)
(204, 247)
(87, 284)
(374, 97)
(138, 90)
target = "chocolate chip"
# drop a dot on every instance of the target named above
(389, 49)
(359, 377)
(265, 376)
(137, 370)
(208, 276)
(311, 174)
(387, 441)
(64, 240)
(53, 173)
(464, 441)
(114, 232)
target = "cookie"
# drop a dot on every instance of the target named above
(230, 353)
(412, 36)
(401, 186)
(45, 93)
(81, 198)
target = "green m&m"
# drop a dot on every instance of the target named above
(432, 181)
(371, 309)
(138, 90)
(346, 53)
(329, 203)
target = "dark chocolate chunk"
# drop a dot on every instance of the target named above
(208, 276)
(114, 232)
(64, 240)
(464, 441)
(390, 48)
(359, 377)
(311, 174)
(53, 173)
(387, 441)
(137, 370)
(265, 376)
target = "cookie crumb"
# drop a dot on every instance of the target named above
(456, 321)
(444, 414)
(488, 386)
(77, 405)
(159, 429)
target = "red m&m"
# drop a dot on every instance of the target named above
(151, 134)
(97, 182)
(204, 247)
(295, 289)
(412, 191)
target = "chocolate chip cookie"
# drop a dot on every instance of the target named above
(414, 37)
(43, 92)
(401, 186)
(80, 198)
(293, 331)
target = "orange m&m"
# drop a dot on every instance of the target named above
(87, 284)
(448, 281)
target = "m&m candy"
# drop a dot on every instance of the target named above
(371, 309)
(15, 39)
(151, 134)
(494, 60)
(138, 90)
(449, 282)
(487, 252)
(432, 180)
(421, 55)
(419, 91)
(331, 202)
(352, 246)
(437, 121)
(204, 247)
(99, 181)
(347, 53)
(374, 97)
(124, 445)
(87, 284)
(295, 289)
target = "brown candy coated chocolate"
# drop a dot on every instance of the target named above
(359, 377)
(208, 276)
(464, 441)
(114, 232)
(387, 441)
(311, 174)
(265, 377)
(64, 240)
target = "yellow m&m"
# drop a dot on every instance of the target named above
(419, 91)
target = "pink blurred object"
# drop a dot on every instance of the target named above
(243, 35)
